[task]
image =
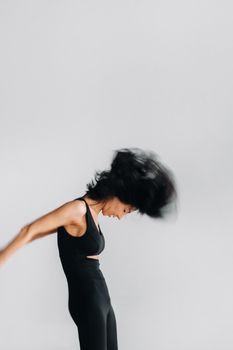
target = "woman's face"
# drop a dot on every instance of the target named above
(114, 207)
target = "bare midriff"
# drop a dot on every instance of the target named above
(93, 257)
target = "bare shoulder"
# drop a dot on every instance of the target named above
(72, 209)
(77, 210)
(77, 224)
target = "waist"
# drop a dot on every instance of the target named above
(83, 270)
(78, 262)
(92, 257)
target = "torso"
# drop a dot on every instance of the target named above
(79, 228)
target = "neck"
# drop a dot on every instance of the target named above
(96, 205)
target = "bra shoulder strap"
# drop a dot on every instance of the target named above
(84, 201)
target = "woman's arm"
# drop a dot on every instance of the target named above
(40, 235)
(66, 214)
(21, 239)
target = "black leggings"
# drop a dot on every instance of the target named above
(91, 309)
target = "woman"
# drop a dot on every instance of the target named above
(135, 181)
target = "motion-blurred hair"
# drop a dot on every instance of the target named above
(138, 178)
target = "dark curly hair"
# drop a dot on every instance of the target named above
(137, 178)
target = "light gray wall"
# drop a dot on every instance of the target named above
(78, 80)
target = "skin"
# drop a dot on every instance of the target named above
(71, 215)
(112, 207)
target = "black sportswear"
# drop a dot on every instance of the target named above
(89, 302)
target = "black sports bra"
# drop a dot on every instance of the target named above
(92, 242)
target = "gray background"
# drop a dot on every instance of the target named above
(78, 80)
